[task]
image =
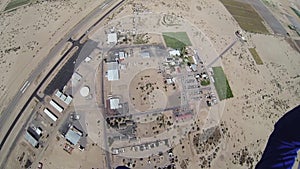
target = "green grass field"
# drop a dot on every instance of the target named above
(15, 3)
(256, 56)
(221, 84)
(296, 11)
(246, 16)
(176, 40)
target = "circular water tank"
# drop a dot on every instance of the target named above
(85, 91)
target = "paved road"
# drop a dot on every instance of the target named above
(269, 18)
(294, 21)
(225, 50)
(7, 113)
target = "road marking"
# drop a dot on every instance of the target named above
(25, 86)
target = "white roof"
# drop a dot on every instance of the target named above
(58, 93)
(170, 81)
(63, 97)
(194, 67)
(113, 75)
(84, 91)
(56, 106)
(113, 71)
(145, 54)
(73, 136)
(112, 66)
(68, 100)
(76, 78)
(112, 38)
(122, 55)
(38, 130)
(174, 53)
(87, 59)
(50, 114)
(114, 103)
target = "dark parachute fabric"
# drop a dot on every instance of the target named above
(283, 143)
(122, 167)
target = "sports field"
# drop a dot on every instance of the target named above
(16, 3)
(246, 16)
(176, 40)
(255, 56)
(221, 84)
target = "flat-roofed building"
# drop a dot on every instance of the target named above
(31, 140)
(145, 55)
(67, 99)
(113, 71)
(174, 53)
(112, 38)
(114, 103)
(56, 106)
(76, 77)
(50, 114)
(73, 135)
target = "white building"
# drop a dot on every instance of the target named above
(145, 55)
(112, 38)
(113, 71)
(114, 104)
(50, 114)
(66, 99)
(174, 53)
(56, 106)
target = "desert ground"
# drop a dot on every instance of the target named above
(28, 34)
(262, 93)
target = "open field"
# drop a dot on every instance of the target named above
(176, 40)
(255, 56)
(221, 84)
(16, 3)
(246, 16)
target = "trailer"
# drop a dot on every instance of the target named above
(50, 114)
(56, 106)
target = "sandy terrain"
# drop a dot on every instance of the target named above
(262, 93)
(56, 157)
(29, 33)
(149, 92)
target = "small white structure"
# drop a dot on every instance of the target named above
(122, 55)
(38, 130)
(193, 67)
(195, 60)
(112, 38)
(145, 55)
(87, 59)
(56, 106)
(114, 103)
(170, 81)
(113, 71)
(85, 91)
(76, 77)
(50, 114)
(174, 53)
(212, 79)
(66, 99)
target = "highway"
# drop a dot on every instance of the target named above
(268, 17)
(7, 115)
